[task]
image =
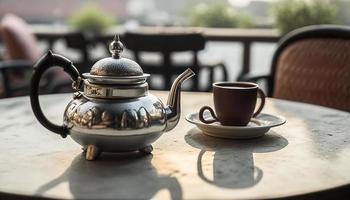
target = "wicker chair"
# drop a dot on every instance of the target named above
(312, 65)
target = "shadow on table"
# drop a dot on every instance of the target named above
(121, 176)
(233, 163)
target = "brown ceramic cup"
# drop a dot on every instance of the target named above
(234, 103)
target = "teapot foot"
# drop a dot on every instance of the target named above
(146, 149)
(92, 152)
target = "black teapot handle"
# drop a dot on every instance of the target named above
(44, 63)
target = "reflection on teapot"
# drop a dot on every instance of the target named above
(117, 176)
(233, 163)
(114, 112)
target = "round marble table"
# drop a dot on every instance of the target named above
(307, 155)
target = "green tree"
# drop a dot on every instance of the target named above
(91, 18)
(218, 15)
(293, 14)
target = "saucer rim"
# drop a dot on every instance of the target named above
(199, 123)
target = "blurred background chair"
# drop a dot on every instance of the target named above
(311, 65)
(168, 44)
(22, 50)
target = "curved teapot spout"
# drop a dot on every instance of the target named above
(172, 109)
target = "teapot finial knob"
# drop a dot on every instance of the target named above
(116, 47)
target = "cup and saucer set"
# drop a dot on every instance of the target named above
(234, 115)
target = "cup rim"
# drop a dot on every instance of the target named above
(250, 85)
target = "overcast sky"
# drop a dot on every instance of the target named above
(242, 3)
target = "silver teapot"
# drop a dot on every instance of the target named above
(112, 109)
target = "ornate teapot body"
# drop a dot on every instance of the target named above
(114, 112)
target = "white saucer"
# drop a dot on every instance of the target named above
(256, 127)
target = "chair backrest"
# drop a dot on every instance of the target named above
(20, 42)
(312, 65)
(166, 44)
(23, 50)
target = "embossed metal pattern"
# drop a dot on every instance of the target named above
(116, 91)
(120, 117)
(120, 80)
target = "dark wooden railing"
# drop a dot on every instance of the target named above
(76, 39)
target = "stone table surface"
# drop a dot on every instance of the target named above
(307, 154)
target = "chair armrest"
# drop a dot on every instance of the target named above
(256, 78)
(218, 65)
(16, 64)
(212, 69)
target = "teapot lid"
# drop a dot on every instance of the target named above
(115, 77)
(116, 69)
